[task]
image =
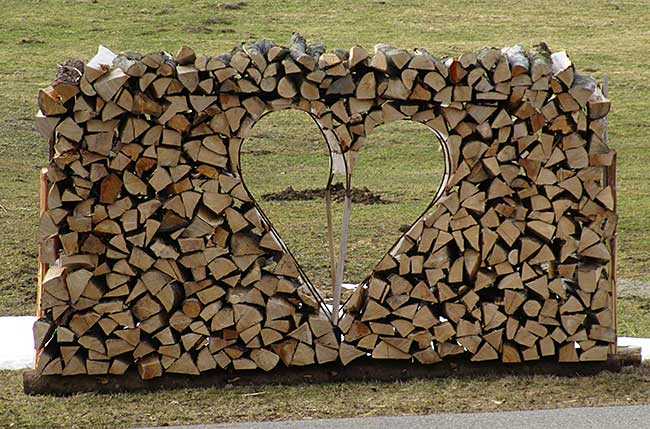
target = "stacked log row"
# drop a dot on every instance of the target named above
(160, 259)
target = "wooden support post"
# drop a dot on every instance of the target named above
(42, 266)
(611, 181)
(363, 369)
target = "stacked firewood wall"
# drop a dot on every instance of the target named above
(158, 258)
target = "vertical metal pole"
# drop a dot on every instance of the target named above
(340, 266)
(330, 237)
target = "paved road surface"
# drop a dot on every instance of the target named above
(573, 418)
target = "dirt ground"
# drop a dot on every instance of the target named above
(358, 195)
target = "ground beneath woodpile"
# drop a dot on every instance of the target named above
(358, 195)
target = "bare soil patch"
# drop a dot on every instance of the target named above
(358, 195)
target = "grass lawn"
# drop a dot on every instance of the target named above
(400, 162)
(331, 400)
(601, 37)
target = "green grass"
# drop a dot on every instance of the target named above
(633, 317)
(329, 400)
(601, 37)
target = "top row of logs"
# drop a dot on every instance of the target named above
(264, 68)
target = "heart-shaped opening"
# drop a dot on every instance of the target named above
(397, 175)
